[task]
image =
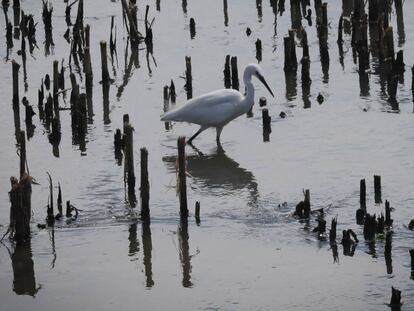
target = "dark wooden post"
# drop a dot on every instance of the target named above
(227, 74)
(377, 189)
(22, 142)
(234, 73)
(197, 213)
(104, 60)
(188, 77)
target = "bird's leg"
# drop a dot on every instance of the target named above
(196, 134)
(218, 130)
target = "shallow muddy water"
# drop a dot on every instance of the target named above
(248, 253)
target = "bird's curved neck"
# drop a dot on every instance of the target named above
(249, 96)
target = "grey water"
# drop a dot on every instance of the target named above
(248, 253)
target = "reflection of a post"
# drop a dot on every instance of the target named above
(133, 242)
(185, 257)
(387, 252)
(24, 282)
(105, 90)
(147, 248)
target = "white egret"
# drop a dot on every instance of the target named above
(217, 108)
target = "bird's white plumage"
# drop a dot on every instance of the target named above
(217, 108)
(211, 109)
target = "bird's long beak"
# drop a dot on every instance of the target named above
(262, 79)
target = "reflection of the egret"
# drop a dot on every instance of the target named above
(24, 282)
(217, 173)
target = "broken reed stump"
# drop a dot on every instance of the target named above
(321, 228)
(166, 94)
(20, 198)
(134, 34)
(266, 119)
(129, 174)
(377, 189)
(291, 63)
(22, 153)
(182, 183)
(173, 95)
(340, 31)
(388, 221)
(192, 28)
(188, 77)
(370, 227)
(258, 44)
(262, 101)
(305, 61)
(197, 213)
(360, 213)
(412, 262)
(68, 209)
(56, 87)
(15, 75)
(398, 65)
(332, 231)
(87, 36)
(145, 192)
(104, 60)
(302, 210)
(362, 194)
(50, 218)
(234, 73)
(227, 74)
(88, 68)
(306, 201)
(59, 204)
(148, 31)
